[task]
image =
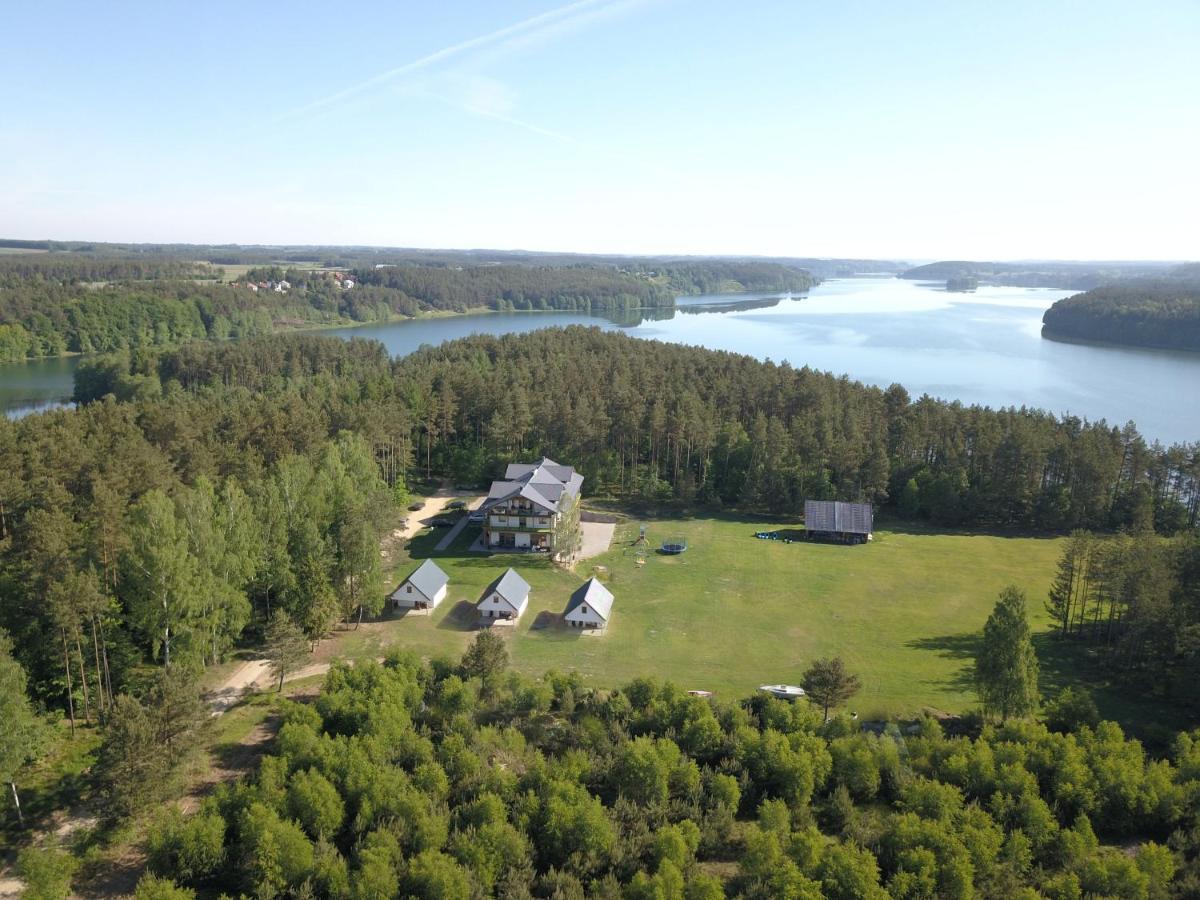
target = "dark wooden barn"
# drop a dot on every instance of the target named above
(833, 520)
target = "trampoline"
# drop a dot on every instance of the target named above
(674, 546)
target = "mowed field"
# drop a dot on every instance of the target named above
(734, 612)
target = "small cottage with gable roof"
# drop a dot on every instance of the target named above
(425, 588)
(590, 606)
(505, 600)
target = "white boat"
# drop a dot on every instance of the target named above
(782, 691)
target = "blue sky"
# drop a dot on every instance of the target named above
(905, 130)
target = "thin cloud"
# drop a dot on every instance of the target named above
(550, 21)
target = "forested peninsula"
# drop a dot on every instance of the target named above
(57, 303)
(1162, 314)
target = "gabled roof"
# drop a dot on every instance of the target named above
(512, 588)
(595, 595)
(544, 483)
(428, 578)
(833, 515)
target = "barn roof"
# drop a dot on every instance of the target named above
(428, 578)
(836, 516)
(595, 595)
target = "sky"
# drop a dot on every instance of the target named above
(916, 131)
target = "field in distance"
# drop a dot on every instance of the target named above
(734, 612)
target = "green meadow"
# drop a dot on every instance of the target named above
(734, 612)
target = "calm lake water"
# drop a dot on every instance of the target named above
(983, 347)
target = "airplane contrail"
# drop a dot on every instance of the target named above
(550, 17)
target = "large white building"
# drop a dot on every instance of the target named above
(534, 507)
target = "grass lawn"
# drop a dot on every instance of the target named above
(734, 612)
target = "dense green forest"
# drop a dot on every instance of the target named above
(1134, 599)
(200, 494)
(459, 779)
(1140, 313)
(79, 303)
(258, 421)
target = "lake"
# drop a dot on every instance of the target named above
(36, 385)
(982, 347)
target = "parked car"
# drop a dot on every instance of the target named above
(457, 504)
(416, 507)
(477, 516)
(443, 522)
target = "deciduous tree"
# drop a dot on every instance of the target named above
(1006, 666)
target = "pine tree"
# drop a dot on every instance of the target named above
(285, 646)
(828, 683)
(1070, 581)
(1006, 667)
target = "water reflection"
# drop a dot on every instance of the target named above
(696, 306)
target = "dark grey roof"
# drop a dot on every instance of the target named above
(834, 515)
(544, 482)
(428, 578)
(512, 587)
(595, 595)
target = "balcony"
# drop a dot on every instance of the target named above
(522, 523)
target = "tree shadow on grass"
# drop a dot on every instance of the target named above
(961, 648)
(884, 522)
(1151, 709)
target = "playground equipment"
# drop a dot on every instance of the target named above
(674, 545)
(639, 547)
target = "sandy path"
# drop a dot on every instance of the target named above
(254, 676)
(432, 506)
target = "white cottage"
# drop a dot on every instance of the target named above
(590, 606)
(505, 600)
(423, 589)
